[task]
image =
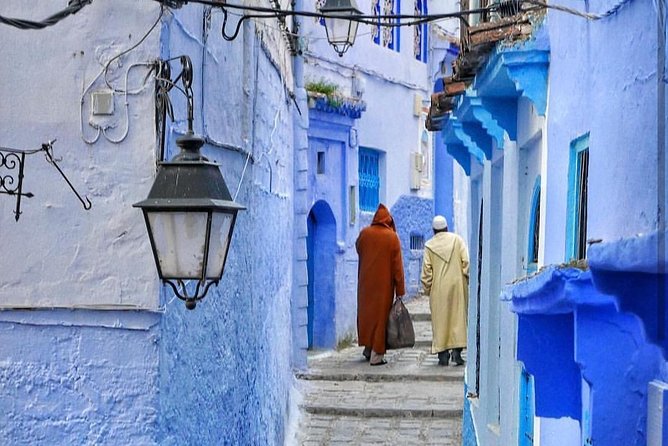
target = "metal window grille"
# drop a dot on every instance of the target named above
(385, 35)
(421, 33)
(581, 217)
(369, 179)
(417, 242)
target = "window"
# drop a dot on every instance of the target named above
(417, 242)
(369, 179)
(321, 163)
(576, 225)
(421, 33)
(386, 36)
(534, 229)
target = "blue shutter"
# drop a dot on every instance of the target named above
(369, 179)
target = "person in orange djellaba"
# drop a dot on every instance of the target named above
(380, 278)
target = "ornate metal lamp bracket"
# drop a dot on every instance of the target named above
(12, 164)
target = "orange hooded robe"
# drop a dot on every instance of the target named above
(380, 277)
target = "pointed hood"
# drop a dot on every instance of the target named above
(383, 217)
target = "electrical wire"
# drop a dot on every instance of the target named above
(586, 15)
(73, 7)
(387, 20)
(122, 53)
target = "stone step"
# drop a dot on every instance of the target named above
(318, 430)
(422, 333)
(409, 364)
(383, 400)
(420, 317)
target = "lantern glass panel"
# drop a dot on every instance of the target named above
(341, 32)
(221, 230)
(179, 239)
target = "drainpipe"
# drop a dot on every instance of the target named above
(299, 301)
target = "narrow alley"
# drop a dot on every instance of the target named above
(411, 400)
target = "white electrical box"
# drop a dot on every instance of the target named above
(103, 102)
(417, 105)
(417, 162)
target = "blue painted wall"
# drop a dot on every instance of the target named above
(563, 316)
(443, 182)
(611, 78)
(333, 262)
(412, 216)
(225, 369)
(220, 374)
(468, 429)
(79, 377)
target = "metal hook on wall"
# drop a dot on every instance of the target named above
(48, 153)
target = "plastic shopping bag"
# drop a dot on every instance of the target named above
(400, 333)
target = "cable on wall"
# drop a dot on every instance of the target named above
(73, 6)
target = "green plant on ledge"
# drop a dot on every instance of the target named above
(327, 89)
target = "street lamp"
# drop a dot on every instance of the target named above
(189, 215)
(341, 21)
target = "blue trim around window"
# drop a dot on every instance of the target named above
(534, 228)
(369, 179)
(573, 229)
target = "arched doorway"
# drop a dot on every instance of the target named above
(321, 245)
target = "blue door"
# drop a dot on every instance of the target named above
(321, 264)
(526, 409)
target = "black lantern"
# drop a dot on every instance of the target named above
(190, 217)
(341, 23)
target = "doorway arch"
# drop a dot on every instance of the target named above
(321, 250)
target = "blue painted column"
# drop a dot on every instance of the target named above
(443, 188)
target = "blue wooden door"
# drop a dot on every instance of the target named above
(526, 409)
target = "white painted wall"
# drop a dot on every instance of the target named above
(505, 185)
(57, 254)
(395, 87)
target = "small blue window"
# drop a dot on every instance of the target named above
(576, 224)
(369, 179)
(421, 31)
(387, 36)
(534, 229)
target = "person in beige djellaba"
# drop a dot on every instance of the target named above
(445, 279)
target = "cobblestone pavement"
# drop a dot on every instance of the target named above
(410, 401)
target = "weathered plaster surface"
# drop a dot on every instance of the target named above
(216, 375)
(412, 216)
(57, 252)
(564, 314)
(617, 104)
(67, 379)
(225, 368)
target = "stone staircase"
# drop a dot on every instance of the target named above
(411, 400)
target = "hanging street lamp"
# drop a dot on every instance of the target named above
(189, 215)
(341, 22)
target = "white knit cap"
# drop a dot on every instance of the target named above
(439, 222)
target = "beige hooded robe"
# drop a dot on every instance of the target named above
(445, 279)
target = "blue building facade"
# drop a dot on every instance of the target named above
(367, 144)
(565, 191)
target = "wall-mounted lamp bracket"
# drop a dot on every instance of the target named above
(12, 165)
